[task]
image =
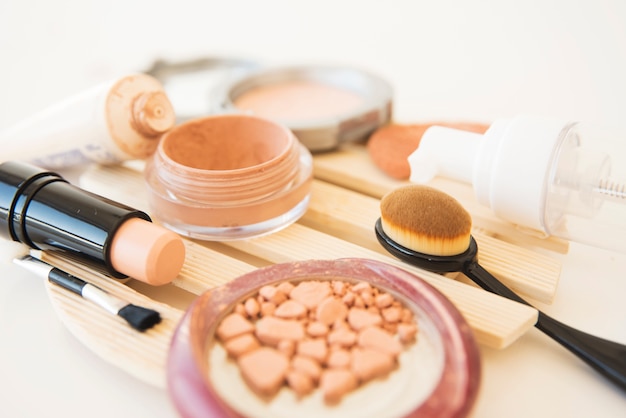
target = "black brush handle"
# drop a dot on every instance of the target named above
(67, 281)
(606, 357)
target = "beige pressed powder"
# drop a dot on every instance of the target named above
(298, 100)
(229, 177)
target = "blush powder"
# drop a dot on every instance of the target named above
(229, 177)
(298, 100)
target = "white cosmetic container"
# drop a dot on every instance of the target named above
(114, 121)
(551, 177)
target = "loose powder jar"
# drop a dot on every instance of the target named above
(331, 338)
(229, 177)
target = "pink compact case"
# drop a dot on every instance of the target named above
(439, 376)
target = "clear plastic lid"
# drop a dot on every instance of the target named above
(586, 189)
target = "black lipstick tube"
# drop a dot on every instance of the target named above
(42, 210)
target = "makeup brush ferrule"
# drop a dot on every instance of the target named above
(105, 300)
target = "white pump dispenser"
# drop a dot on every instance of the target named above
(543, 174)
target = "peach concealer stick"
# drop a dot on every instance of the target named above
(42, 210)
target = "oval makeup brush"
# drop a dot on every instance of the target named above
(431, 230)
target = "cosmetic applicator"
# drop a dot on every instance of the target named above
(431, 230)
(138, 317)
(390, 145)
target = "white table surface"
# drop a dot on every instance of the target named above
(447, 60)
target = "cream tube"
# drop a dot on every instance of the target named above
(112, 122)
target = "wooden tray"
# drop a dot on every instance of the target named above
(339, 223)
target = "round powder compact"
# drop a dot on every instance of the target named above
(229, 177)
(305, 339)
(323, 106)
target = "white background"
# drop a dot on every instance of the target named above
(446, 59)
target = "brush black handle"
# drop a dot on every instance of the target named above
(67, 281)
(607, 357)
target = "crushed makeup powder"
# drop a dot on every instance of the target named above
(333, 335)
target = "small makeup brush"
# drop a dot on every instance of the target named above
(431, 230)
(426, 220)
(138, 317)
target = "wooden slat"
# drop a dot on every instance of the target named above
(205, 269)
